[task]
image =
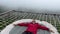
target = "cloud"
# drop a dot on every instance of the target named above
(35, 4)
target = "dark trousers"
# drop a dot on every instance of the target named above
(27, 32)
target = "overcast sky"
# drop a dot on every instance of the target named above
(35, 4)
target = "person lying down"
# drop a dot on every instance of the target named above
(32, 27)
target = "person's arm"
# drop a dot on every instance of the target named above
(43, 28)
(21, 24)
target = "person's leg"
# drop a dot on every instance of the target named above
(26, 32)
(30, 33)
